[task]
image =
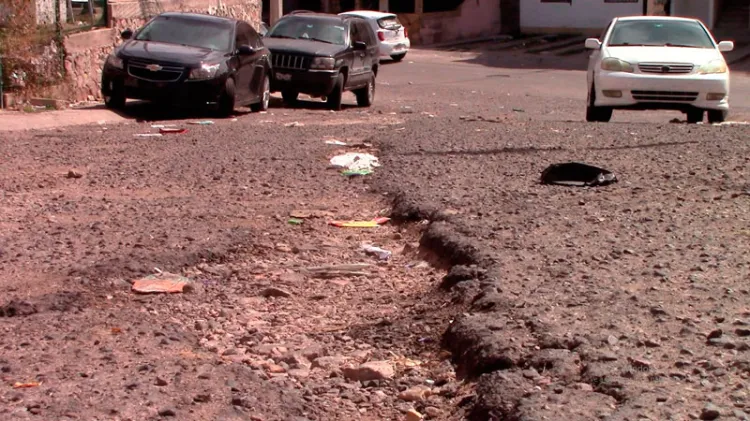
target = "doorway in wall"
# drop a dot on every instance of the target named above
(510, 16)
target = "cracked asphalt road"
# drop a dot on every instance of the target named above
(625, 302)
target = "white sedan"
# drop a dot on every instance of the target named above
(658, 63)
(393, 37)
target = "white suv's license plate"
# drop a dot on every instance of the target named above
(283, 76)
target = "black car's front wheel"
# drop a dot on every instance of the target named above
(337, 94)
(114, 99)
(265, 97)
(227, 100)
(366, 95)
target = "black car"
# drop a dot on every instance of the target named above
(323, 55)
(190, 59)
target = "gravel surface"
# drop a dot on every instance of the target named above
(503, 299)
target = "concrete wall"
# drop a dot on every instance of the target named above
(474, 18)
(699, 9)
(45, 11)
(577, 15)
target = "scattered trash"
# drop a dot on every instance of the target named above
(381, 254)
(355, 161)
(74, 174)
(148, 135)
(161, 126)
(163, 282)
(294, 124)
(295, 221)
(335, 142)
(18, 385)
(577, 174)
(733, 123)
(400, 129)
(334, 271)
(304, 214)
(234, 119)
(202, 122)
(354, 173)
(360, 224)
(165, 130)
(675, 120)
(116, 331)
(519, 110)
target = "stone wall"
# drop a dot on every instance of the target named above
(87, 51)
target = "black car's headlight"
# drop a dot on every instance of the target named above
(206, 71)
(323, 63)
(115, 62)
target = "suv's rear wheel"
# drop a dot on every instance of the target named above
(265, 97)
(398, 57)
(694, 116)
(290, 97)
(227, 100)
(717, 116)
(366, 95)
(336, 95)
(597, 114)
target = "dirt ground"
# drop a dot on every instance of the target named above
(503, 299)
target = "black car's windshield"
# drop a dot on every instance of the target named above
(201, 33)
(322, 30)
(660, 33)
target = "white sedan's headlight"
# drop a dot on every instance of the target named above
(115, 61)
(323, 63)
(206, 71)
(713, 67)
(616, 65)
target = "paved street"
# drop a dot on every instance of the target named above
(504, 299)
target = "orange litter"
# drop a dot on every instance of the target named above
(360, 224)
(162, 283)
(19, 385)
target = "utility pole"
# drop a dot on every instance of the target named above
(277, 10)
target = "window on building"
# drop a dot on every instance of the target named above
(441, 6)
(401, 6)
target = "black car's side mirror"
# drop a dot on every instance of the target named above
(246, 50)
(359, 45)
(126, 34)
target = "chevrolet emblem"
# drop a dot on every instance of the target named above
(154, 67)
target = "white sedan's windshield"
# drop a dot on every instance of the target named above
(660, 33)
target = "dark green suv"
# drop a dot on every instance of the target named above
(323, 55)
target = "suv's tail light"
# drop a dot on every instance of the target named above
(381, 36)
(406, 33)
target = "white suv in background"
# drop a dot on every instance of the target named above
(658, 63)
(392, 35)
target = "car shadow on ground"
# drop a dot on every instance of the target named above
(148, 111)
(311, 104)
(528, 61)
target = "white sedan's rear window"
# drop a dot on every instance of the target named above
(389, 22)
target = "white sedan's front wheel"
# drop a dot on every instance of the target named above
(594, 113)
(717, 116)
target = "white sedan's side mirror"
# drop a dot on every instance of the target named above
(725, 46)
(593, 44)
